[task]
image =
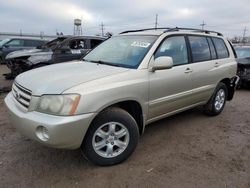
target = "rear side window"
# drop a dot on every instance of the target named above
(212, 49)
(174, 47)
(200, 49)
(32, 43)
(221, 48)
(16, 42)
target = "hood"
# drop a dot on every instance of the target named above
(244, 61)
(54, 79)
(22, 53)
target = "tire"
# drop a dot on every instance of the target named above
(115, 146)
(218, 100)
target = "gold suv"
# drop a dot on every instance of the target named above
(102, 102)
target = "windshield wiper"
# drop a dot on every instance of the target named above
(103, 62)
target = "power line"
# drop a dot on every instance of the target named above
(202, 25)
(156, 21)
(102, 28)
(244, 34)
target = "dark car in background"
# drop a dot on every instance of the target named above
(62, 49)
(13, 44)
(243, 59)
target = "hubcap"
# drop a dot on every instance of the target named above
(110, 139)
(219, 99)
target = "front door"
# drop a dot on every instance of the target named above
(171, 89)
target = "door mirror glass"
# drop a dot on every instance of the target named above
(161, 63)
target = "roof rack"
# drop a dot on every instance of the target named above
(147, 29)
(192, 29)
(168, 29)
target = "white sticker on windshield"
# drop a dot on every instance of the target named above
(140, 44)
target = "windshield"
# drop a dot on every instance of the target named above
(243, 52)
(4, 42)
(52, 43)
(123, 51)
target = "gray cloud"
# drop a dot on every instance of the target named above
(33, 16)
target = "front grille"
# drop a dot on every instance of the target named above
(21, 94)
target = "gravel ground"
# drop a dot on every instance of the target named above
(186, 150)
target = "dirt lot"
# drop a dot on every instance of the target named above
(186, 150)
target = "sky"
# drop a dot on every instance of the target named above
(50, 16)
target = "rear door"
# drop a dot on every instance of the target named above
(170, 89)
(205, 67)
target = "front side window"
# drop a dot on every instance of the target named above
(200, 49)
(174, 47)
(77, 44)
(16, 42)
(94, 43)
(220, 48)
(124, 51)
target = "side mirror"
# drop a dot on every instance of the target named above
(161, 63)
(6, 46)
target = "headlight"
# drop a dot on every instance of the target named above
(64, 105)
(40, 58)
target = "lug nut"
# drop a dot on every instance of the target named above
(107, 142)
(112, 143)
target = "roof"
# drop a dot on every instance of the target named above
(28, 38)
(83, 37)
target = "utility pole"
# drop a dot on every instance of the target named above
(156, 21)
(102, 28)
(202, 25)
(244, 35)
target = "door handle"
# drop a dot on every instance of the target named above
(188, 70)
(216, 64)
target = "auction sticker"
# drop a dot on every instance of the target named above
(140, 44)
(76, 51)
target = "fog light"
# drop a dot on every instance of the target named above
(42, 133)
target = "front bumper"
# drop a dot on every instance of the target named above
(64, 131)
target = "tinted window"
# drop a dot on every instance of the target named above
(94, 43)
(33, 43)
(220, 48)
(16, 42)
(212, 49)
(174, 47)
(243, 52)
(78, 44)
(200, 48)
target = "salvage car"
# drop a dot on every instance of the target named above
(13, 44)
(103, 102)
(62, 49)
(243, 59)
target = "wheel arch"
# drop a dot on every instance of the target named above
(133, 107)
(230, 87)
